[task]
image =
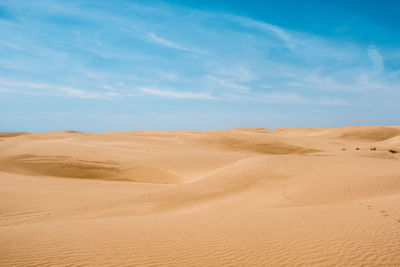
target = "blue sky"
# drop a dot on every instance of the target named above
(170, 65)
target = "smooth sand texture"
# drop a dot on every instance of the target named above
(243, 197)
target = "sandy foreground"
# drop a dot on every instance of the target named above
(243, 197)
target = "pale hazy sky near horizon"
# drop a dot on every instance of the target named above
(170, 65)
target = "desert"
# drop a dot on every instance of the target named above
(241, 197)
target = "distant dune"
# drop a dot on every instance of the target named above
(242, 197)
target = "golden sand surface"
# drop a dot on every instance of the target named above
(242, 197)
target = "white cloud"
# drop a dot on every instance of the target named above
(282, 34)
(169, 76)
(266, 86)
(221, 82)
(52, 90)
(73, 92)
(376, 58)
(175, 94)
(237, 72)
(106, 86)
(295, 98)
(167, 43)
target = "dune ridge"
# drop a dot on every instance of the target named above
(241, 197)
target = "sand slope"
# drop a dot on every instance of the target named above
(242, 197)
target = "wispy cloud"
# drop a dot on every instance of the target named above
(279, 32)
(32, 88)
(227, 84)
(73, 92)
(376, 58)
(295, 98)
(168, 43)
(175, 94)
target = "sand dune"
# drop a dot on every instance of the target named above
(371, 133)
(242, 197)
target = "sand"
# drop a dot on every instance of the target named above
(242, 197)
